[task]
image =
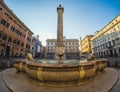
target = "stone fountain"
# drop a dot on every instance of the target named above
(64, 72)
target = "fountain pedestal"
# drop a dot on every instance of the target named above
(60, 53)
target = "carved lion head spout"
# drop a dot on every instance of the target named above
(60, 57)
(29, 57)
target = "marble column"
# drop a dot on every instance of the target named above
(60, 47)
(60, 11)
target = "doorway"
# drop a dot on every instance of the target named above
(7, 53)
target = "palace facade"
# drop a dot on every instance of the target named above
(71, 48)
(36, 47)
(85, 45)
(106, 42)
(15, 36)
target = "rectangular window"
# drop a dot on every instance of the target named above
(10, 17)
(118, 26)
(28, 39)
(17, 31)
(114, 29)
(20, 33)
(15, 22)
(7, 25)
(109, 44)
(18, 42)
(0, 9)
(0, 35)
(10, 39)
(4, 37)
(14, 41)
(6, 14)
(12, 28)
(22, 44)
(3, 21)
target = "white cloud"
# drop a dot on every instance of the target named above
(44, 36)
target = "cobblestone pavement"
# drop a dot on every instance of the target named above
(3, 87)
(116, 88)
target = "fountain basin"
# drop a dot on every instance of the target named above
(101, 64)
(20, 65)
(61, 73)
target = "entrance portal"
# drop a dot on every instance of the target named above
(7, 53)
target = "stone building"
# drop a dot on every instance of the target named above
(36, 47)
(71, 48)
(15, 36)
(43, 50)
(106, 42)
(85, 45)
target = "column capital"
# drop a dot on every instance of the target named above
(59, 8)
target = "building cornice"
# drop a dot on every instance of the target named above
(87, 36)
(11, 12)
(52, 40)
(102, 31)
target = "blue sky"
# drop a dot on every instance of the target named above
(81, 17)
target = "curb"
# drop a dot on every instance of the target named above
(114, 84)
(6, 83)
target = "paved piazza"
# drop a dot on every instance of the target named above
(59, 30)
(19, 82)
